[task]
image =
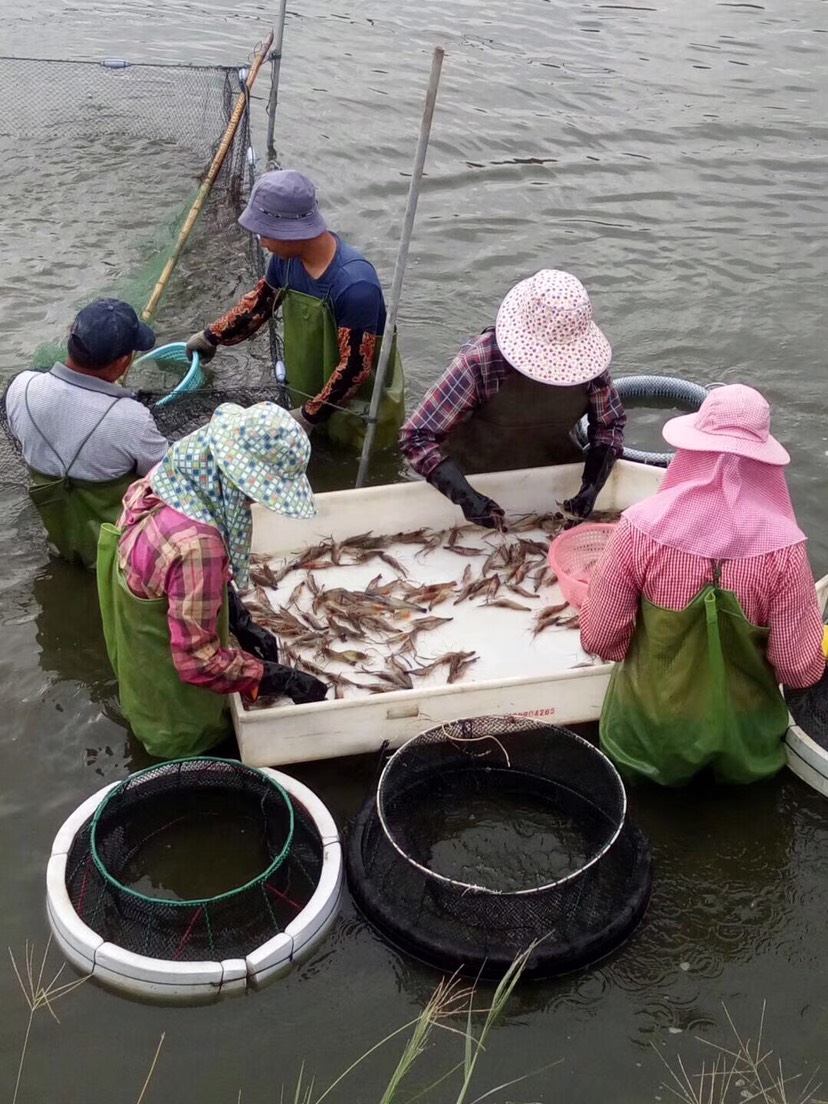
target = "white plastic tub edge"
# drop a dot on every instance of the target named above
(132, 985)
(66, 925)
(147, 970)
(806, 758)
(141, 975)
(325, 823)
(302, 954)
(233, 976)
(315, 917)
(273, 959)
(73, 955)
(74, 822)
(326, 730)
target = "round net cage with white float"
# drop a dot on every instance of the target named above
(491, 834)
(193, 879)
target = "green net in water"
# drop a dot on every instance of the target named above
(199, 859)
(101, 163)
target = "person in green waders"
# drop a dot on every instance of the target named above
(333, 314)
(513, 395)
(84, 438)
(705, 597)
(164, 579)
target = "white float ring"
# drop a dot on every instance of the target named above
(165, 980)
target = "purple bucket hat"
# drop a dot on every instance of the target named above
(545, 330)
(283, 206)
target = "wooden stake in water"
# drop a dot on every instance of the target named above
(399, 268)
(201, 198)
(276, 60)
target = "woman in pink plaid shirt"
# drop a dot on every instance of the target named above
(705, 597)
(170, 573)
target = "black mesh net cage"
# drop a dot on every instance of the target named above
(491, 834)
(193, 860)
(152, 131)
(809, 709)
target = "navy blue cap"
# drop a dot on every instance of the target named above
(108, 329)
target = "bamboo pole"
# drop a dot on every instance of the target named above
(203, 192)
(276, 60)
(399, 267)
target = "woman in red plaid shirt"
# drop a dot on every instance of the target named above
(168, 579)
(705, 597)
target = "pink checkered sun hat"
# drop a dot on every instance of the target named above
(733, 419)
(545, 330)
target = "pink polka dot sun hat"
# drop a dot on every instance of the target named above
(545, 330)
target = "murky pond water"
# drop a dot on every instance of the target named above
(673, 155)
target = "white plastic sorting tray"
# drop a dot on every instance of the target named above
(516, 673)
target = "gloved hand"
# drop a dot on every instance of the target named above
(201, 344)
(597, 466)
(298, 415)
(477, 508)
(298, 685)
(251, 637)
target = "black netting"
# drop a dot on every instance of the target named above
(177, 419)
(809, 708)
(490, 834)
(149, 133)
(191, 855)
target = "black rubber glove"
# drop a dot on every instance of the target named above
(450, 481)
(599, 463)
(200, 343)
(251, 637)
(298, 685)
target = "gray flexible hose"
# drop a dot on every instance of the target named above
(681, 393)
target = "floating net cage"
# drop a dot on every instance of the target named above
(198, 860)
(490, 834)
(138, 831)
(101, 163)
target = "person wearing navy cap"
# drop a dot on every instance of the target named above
(84, 438)
(333, 315)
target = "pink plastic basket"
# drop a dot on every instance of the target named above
(573, 555)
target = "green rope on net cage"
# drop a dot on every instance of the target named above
(203, 902)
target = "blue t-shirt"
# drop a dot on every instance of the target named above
(349, 284)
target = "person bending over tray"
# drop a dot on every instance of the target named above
(164, 579)
(513, 395)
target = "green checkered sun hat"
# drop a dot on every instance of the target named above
(264, 452)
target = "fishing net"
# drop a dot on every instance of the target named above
(199, 859)
(489, 834)
(101, 163)
(809, 709)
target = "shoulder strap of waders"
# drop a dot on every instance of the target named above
(66, 468)
(328, 301)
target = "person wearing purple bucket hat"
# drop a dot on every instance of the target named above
(513, 395)
(333, 314)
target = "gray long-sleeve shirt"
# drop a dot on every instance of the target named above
(63, 407)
